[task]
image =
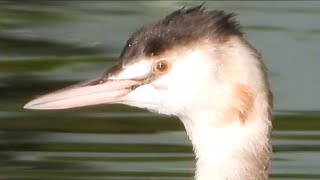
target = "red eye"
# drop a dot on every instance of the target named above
(162, 67)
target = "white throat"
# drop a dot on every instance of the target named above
(234, 152)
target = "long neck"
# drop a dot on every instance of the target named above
(230, 125)
(234, 152)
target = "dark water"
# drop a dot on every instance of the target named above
(45, 45)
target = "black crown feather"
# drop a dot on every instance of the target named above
(180, 27)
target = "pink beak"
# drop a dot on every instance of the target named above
(90, 93)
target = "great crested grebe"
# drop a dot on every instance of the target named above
(194, 64)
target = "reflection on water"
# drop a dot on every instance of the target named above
(45, 45)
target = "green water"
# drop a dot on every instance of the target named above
(46, 45)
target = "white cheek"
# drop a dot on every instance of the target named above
(137, 70)
(185, 86)
(189, 77)
(181, 88)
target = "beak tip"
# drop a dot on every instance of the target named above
(26, 106)
(35, 105)
(30, 105)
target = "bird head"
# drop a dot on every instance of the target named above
(190, 61)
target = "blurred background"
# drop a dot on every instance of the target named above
(46, 45)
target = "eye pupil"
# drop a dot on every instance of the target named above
(161, 66)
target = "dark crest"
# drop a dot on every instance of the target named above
(180, 28)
